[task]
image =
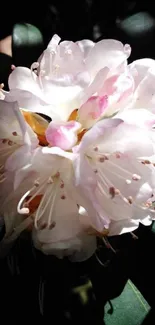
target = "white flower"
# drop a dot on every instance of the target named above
(66, 75)
(89, 171)
(115, 168)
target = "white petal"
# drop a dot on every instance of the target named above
(106, 53)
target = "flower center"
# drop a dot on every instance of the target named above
(38, 125)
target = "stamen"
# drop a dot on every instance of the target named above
(10, 143)
(52, 225)
(130, 199)
(4, 141)
(146, 162)
(113, 191)
(49, 197)
(43, 226)
(40, 188)
(14, 133)
(62, 185)
(63, 197)
(50, 180)
(23, 210)
(102, 191)
(128, 181)
(16, 232)
(136, 177)
(103, 158)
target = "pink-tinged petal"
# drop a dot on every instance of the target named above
(95, 86)
(63, 135)
(119, 89)
(107, 53)
(92, 110)
(94, 134)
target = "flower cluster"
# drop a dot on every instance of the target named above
(77, 147)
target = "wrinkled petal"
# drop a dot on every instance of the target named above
(143, 72)
(85, 46)
(107, 53)
(92, 110)
(63, 135)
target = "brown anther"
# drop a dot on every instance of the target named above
(62, 185)
(63, 197)
(95, 171)
(52, 225)
(147, 162)
(118, 155)
(43, 226)
(113, 191)
(96, 149)
(14, 133)
(4, 141)
(101, 159)
(130, 199)
(136, 177)
(10, 143)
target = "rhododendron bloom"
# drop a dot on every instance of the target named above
(67, 74)
(87, 169)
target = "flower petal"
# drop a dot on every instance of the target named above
(92, 110)
(63, 135)
(85, 46)
(107, 53)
